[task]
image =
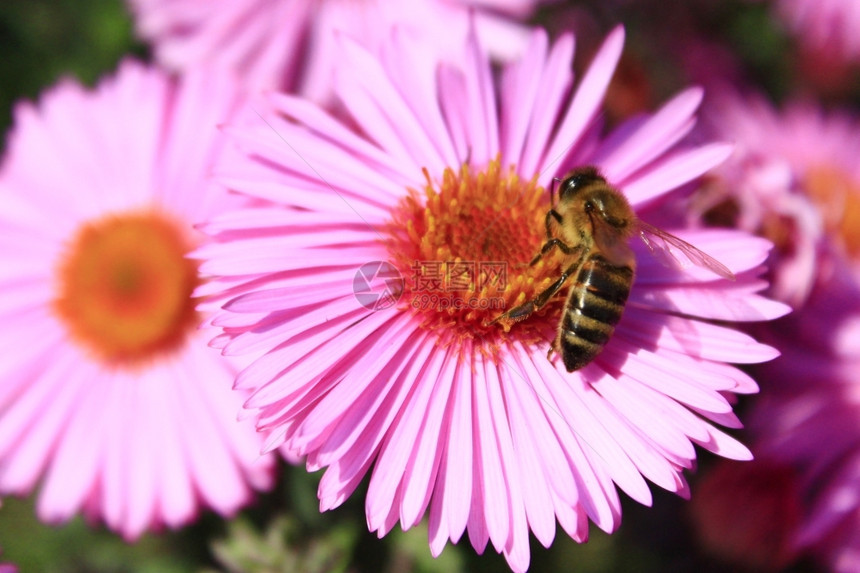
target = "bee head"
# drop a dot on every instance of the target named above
(612, 207)
(578, 180)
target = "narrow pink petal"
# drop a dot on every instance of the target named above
(389, 341)
(420, 90)
(341, 478)
(578, 405)
(460, 452)
(313, 375)
(726, 446)
(619, 159)
(437, 523)
(693, 338)
(216, 476)
(364, 425)
(496, 508)
(395, 452)
(286, 188)
(73, 471)
(483, 130)
(586, 103)
(114, 491)
(139, 399)
(453, 101)
(477, 523)
(177, 497)
(380, 108)
(554, 93)
(391, 519)
(666, 376)
(23, 296)
(572, 519)
(519, 88)
(266, 369)
(733, 302)
(28, 351)
(550, 453)
(517, 548)
(268, 299)
(596, 491)
(240, 438)
(30, 427)
(450, 506)
(633, 446)
(536, 494)
(270, 257)
(423, 465)
(674, 169)
(307, 162)
(325, 125)
(647, 441)
(727, 419)
(281, 327)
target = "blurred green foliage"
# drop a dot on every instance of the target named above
(43, 40)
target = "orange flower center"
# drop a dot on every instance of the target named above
(463, 247)
(124, 287)
(838, 196)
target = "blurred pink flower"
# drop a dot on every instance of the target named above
(108, 390)
(747, 513)
(450, 415)
(793, 178)
(809, 419)
(291, 44)
(830, 27)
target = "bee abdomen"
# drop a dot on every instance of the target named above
(594, 306)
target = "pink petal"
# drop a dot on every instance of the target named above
(586, 103)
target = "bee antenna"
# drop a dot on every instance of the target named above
(555, 182)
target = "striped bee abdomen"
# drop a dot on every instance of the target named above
(594, 306)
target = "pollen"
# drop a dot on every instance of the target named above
(124, 287)
(838, 196)
(463, 245)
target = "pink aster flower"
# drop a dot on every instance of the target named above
(810, 419)
(747, 513)
(794, 178)
(372, 281)
(827, 26)
(109, 394)
(290, 44)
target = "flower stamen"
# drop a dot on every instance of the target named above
(124, 287)
(464, 248)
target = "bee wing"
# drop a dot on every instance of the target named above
(663, 246)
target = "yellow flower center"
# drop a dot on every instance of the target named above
(838, 196)
(124, 287)
(463, 247)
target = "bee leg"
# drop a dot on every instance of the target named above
(548, 246)
(550, 215)
(523, 311)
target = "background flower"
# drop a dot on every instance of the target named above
(454, 414)
(793, 179)
(806, 420)
(108, 391)
(289, 44)
(831, 27)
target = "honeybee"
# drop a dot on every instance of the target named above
(592, 224)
